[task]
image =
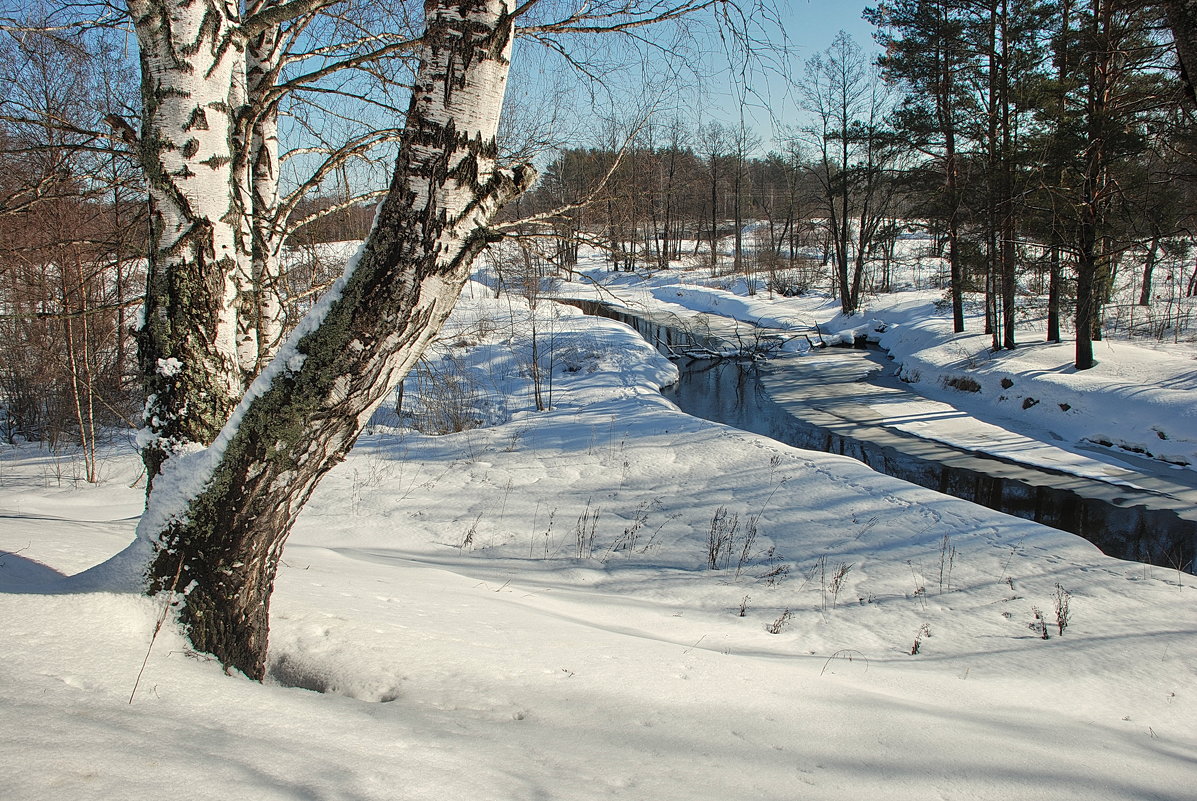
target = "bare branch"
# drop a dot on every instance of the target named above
(334, 208)
(75, 315)
(582, 22)
(275, 14)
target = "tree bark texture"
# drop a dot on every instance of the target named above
(260, 323)
(1182, 19)
(222, 545)
(192, 64)
(945, 95)
(1148, 270)
(1094, 189)
(1006, 214)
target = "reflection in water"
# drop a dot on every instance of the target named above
(1119, 520)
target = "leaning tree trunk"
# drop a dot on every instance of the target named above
(192, 68)
(220, 548)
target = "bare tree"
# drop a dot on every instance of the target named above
(743, 142)
(68, 237)
(713, 145)
(848, 103)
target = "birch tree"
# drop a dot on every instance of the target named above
(216, 522)
(213, 81)
(212, 84)
(217, 518)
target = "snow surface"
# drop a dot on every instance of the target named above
(445, 625)
(1030, 404)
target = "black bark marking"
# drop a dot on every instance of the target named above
(198, 121)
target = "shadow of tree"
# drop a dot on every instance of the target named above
(22, 574)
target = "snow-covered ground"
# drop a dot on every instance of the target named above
(527, 610)
(1028, 404)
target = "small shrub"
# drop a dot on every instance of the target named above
(837, 581)
(923, 633)
(577, 360)
(920, 586)
(584, 532)
(447, 397)
(776, 575)
(631, 534)
(777, 625)
(721, 537)
(746, 545)
(962, 383)
(796, 281)
(1063, 613)
(467, 541)
(1039, 625)
(947, 560)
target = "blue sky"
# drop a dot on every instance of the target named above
(558, 101)
(809, 25)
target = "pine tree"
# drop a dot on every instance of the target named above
(925, 55)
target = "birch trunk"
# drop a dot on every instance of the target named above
(221, 543)
(261, 310)
(192, 70)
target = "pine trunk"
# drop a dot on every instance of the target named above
(1148, 271)
(947, 121)
(1055, 288)
(1182, 19)
(1009, 243)
(306, 410)
(1094, 189)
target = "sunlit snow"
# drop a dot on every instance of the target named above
(525, 610)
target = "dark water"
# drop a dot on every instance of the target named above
(1122, 521)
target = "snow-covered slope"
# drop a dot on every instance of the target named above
(526, 610)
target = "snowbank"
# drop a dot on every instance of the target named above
(527, 610)
(1139, 399)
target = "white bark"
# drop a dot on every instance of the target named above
(192, 86)
(221, 537)
(261, 324)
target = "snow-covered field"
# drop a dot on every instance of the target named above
(527, 610)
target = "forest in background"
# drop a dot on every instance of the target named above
(1043, 149)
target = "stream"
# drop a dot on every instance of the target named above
(787, 398)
